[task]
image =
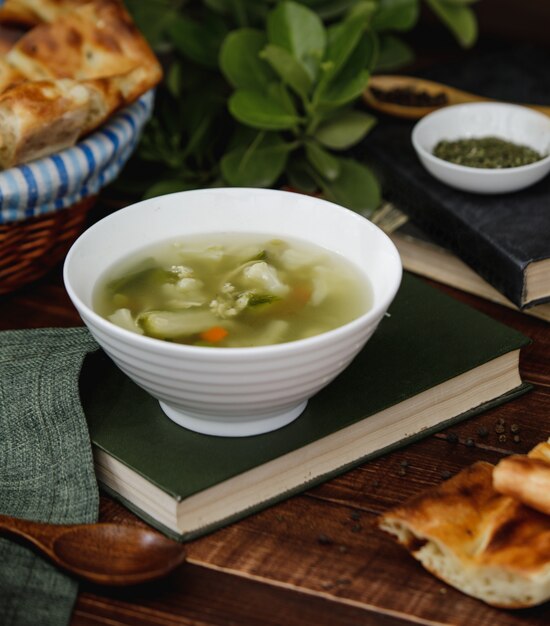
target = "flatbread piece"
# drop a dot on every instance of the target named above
(526, 478)
(485, 544)
(66, 76)
(38, 118)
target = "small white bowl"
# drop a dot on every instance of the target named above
(233, 391)
(463, 121)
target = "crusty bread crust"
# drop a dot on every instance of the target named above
(526, 478)
(488, 545)
(97, 40)
(94, 45)
(9, 76)
(16, 12)
(32, 12)
(38, 118)
(541, 451)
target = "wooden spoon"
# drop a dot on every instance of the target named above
(108, 554)
(451, 95)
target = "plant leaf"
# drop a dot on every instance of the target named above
(152, 18)
(345, 130)
(167, 186)
(356, 187)
(299, 30)
(460, 20)
(323, 162)
(342, 40)
(258, 164)
(240, 60)
(393, 53)
(343, 91)
(277, 91)
(198, 41)
(331, 9)
(398, 15)
(363, 6)
(288, 68)
(173, 79)
(352, 79)
(299, 177)
(260, 111)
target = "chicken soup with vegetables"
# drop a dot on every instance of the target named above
(232, 290)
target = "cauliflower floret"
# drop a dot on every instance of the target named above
(296, 259)
(265, 276)
(229, 303)
(124, 319)
(320, 285)
(181, 271)
(187, 285)
(184, 294)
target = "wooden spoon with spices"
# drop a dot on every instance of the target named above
(412, 98)
(108, 554)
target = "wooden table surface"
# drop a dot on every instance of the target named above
(316, 558)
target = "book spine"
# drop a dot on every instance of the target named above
(449, 230)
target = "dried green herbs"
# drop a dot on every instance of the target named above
(486, 152)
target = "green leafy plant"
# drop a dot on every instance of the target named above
(266, 93)
(293, 88)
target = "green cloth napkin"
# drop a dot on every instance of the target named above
(46, 465)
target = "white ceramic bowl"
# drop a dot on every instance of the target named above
(463, 121)
(233, 391)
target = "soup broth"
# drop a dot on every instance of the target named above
(232, 290)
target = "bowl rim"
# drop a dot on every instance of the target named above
(466, 169)
(228, 353)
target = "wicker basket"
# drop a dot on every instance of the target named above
(44, 204)
(29, 249)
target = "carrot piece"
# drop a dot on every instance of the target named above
(214, 334)
(301, 294)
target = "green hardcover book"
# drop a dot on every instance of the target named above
(431, 362)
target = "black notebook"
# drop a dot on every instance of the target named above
(505, 238)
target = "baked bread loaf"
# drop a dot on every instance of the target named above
(40, 117)
(9, 76)
(68, 74)
(112, 93)
(32, 12)
(17, 12)
(541, 451)
(485, 544)
(526, 478)
(99, 39)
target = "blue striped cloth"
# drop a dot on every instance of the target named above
(55, 182)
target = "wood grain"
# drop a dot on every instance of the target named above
(316, 558)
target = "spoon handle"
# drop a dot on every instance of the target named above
(385, 82)
(39, 534)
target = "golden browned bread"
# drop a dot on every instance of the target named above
(32, 12)
(97, 40)
(90, 53)
(541, 451)
(17, 12)
(485, 544)
(526, 478)
(38, 118)
(9, 76)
